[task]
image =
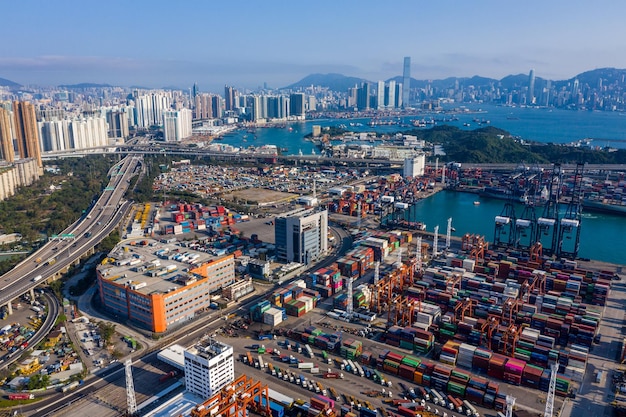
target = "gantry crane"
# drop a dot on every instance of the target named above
(569, 227)
(548, 223)
(510, 336)
(504, 232)
(475, 245)
(525, 227)
(536, 252)
(462, 307)
(486, 330)
(233, 400)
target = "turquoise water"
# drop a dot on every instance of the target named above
(538, 124)
(602, 236)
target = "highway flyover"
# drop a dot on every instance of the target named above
(61, 251)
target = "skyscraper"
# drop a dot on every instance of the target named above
(363, 97)
(390, 102)
(531, 87)
(406, 81)
(26, 131)
(380, 95)
(7, 153)
(229, 98)
(296, 101)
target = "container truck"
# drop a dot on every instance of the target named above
(309, 351)
(70, 386)
(167, 376)
(305, 365)
(470, 410)
(21, 396)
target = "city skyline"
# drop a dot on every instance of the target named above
(153, 45)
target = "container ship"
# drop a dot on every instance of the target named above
(604, 206)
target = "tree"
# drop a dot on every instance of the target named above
(107, 330)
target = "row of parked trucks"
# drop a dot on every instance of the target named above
(424, 394)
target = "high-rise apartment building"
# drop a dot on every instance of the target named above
(55, 135)
(399, 90)
(363, 97)
(118, 124)
(406, 81)
(217, 106)
(150, 109)
(7, 152)
(301, 235)
(26, 131)
(296, 106)
(177, 125)
(209, 366)
(203, 106)
(229, 98)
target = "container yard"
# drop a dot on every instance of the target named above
(470, 320)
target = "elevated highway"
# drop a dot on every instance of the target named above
(57, 255)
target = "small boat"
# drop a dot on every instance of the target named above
(452, 229)
(477, 203)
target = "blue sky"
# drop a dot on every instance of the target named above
(246, 43)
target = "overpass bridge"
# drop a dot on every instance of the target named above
(186, 152)
(56, 256)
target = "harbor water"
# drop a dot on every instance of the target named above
(602, 236)
(537, 124)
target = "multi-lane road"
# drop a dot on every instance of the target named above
(78, 239)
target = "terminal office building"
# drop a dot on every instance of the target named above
(159, 285)
(301, 235)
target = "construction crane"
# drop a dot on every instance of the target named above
(549, 411)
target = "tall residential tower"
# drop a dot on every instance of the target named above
(26, 131)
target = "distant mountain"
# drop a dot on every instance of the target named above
(335, 82)
(593, 77)
(85, 85)
(8, 83)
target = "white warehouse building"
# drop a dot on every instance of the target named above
(414, 166)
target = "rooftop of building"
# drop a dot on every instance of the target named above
(151, 266)
(300, 212)
(208, 348)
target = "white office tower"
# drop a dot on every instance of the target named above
(177, 125)
(380, 95)
(414, 166)
(209, 366)
(390, 100)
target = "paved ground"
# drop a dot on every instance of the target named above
(593, 398)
